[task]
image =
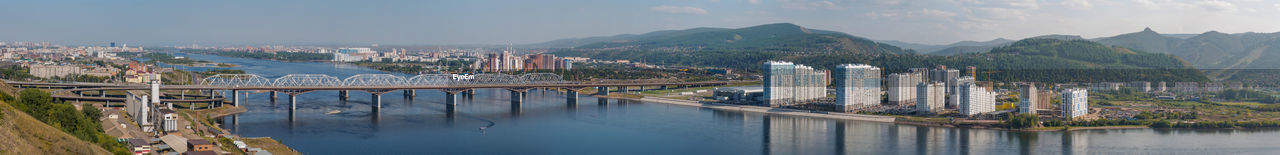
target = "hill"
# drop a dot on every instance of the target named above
(1224, 54)
(575, 42)
(1042, 60)
(951, 49)
(23, 134)
(779, 37)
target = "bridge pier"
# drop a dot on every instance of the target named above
(571, 97)
(602, 91)
(273, 96)
(343, 95)
(517, 97)
(663, 87)
(450, 98)
(235, 97)
(376, 101)
(102, 93)
(410, 93)
(293, 101)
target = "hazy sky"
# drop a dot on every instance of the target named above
(529, 21)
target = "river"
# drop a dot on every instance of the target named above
(546, 124)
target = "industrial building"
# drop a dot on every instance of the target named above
(740, 95)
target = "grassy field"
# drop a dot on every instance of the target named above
(270, 145)
(1243, 103)
(1221, 111)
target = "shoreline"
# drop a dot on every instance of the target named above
(765, 110)
(853, 117)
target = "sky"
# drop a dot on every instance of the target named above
(435, 22)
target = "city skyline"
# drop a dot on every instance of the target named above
(156, 23)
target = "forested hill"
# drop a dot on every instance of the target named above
(1113, 57)
(780, 37)
(1040, 60)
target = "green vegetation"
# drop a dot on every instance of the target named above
(170, 59)
(83, 78)
(1166, 115)
(16, 72)
(1040, 60)
(220, 71)
(81, 124)
(617, 72)
(1022, 121)
(1248, 95)
(1217, 124)
(780, 37)
(1087, 51)
(416, 67)
(282, 56)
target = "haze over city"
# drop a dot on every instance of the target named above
(156, 23)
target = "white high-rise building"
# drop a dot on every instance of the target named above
(902, 88)
(1075, 102)
(953, 88)
(787, 83)
(857, 85)
(1028, 97)
(975, 100)
(930, 97)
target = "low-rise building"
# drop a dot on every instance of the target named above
(139, 146)
(50, 71)
(199, 145)
(741, 95)
(1143, 86)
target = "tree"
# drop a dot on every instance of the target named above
(1022, 121)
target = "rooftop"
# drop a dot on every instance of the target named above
(198, 142)
(856, 66)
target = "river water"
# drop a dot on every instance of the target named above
(546, 124)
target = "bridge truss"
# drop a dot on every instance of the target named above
(381, 80)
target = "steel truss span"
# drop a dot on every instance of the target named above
(296, 80)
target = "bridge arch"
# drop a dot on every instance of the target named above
(307, 80)
(493, 78)
(431, 80)
(235, 80)
(374, 80)
(541, 78)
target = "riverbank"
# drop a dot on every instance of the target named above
(984, 124)
(1085, 128)
(271, 145)
(766, 110)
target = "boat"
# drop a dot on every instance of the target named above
(334, 112)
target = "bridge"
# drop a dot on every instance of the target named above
(376, 84)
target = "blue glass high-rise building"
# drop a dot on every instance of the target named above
(857, 85)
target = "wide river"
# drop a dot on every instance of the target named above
(546, 124)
